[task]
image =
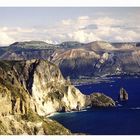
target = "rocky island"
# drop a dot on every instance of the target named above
(101, 100)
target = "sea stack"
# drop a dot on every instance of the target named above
(123, 96)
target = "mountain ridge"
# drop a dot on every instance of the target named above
(73, 58)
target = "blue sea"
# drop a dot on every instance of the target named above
(121, 120)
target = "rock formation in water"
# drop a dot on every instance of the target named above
(100, 100)
(123, 96)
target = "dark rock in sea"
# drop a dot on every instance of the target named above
(101, 100)
(78, 107)
(63, 109)
(123, 96)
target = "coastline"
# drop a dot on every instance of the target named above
(98, 80)
(56, 113)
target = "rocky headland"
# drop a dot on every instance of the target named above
(32, 89)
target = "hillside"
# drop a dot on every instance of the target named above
(75, 59)
(98, 59)
(27, 51)
(33, 89)
(29, 91)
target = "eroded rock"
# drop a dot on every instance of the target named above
(101, 100)
(123, 96)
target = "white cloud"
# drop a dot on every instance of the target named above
(107, 21)
(66, 22)
(127, 36)
(108, 28)
(83, 36)
(5, 39)
(83, 29)
(83, 18)
(49, 41)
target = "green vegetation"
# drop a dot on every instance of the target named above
(103, 98)
(50, 127)
(31, 116)
(16, 90)
(53, 128)
(2, 128)
(32, 45)
(56, 95)
(17, 117)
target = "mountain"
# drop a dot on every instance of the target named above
(34, 50)
(75, 62)
(32, 45)
(3, 50)
(75, 59)
(43, 81)
(70, 45)
(27, 50)
(31, 90)
(100, 46)
(138, 44)
(97, 59)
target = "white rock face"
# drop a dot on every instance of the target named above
(73, 96)
(105, 56)
(5, 101)
(51, 92)
(42, 88)
(34, 88)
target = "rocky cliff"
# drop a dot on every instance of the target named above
(101, 100)
(30, 90)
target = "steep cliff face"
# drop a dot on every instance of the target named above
(34, 88)
(30, 90)
(50, 91)
(30, 124)
(17, 109)
(38, 84)
(14, 97)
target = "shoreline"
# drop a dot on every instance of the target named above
(97, 80)
(56, 113)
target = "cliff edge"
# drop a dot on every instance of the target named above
(32, 89)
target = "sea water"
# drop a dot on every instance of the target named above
(121, 120)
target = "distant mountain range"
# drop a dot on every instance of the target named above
(77, 59)
(98, 59)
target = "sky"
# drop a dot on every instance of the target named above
(59, 24)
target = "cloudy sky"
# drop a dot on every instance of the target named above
(55, 25)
